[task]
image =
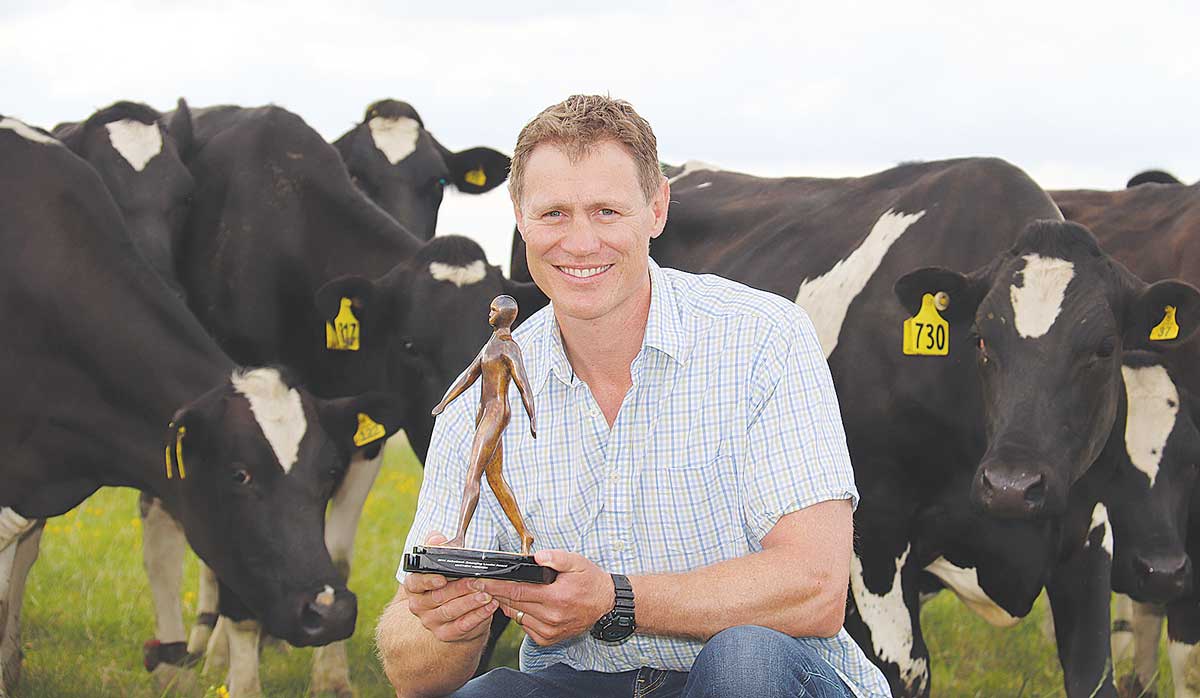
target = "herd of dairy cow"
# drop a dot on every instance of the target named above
(222, 310)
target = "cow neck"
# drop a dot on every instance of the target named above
(380, 242)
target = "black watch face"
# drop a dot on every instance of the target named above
(617, 628)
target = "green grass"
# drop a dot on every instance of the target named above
(87, 612)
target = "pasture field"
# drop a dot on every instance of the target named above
(88, 610)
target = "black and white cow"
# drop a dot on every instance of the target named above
(1153, 230)
(140, 160)
(1151, 177)
(404, 169)
(281, 244)
(110, 381)
(1033, 308)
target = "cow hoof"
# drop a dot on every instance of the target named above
(198, 640)
(1130, 687)
(172, 680)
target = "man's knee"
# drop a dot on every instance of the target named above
(496, 682)
(753, 660)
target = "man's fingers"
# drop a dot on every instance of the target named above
(431, 598)
(513, 592)
(417, 583)
(474, 619)
(562, 560)
(455, 610)
(435, 538)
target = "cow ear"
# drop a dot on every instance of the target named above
(352, 310)
(362, 421)
(960, 288)
(1164, 315)
(70, 134)
(477, 170)
(180, 129)
(529, 297)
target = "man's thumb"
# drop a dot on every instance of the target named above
(435, 538)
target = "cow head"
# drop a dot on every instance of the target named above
(429, 319)
(1151, 489)
(140, 159)
(1048, 321)
(404, 169)
(250, 468)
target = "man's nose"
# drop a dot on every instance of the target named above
(581, 239)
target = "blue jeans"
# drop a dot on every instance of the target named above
(747, 660)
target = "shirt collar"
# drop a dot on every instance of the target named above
(665, 332)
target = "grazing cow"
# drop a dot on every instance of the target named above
(282, 248)
(110, 381)
(140, 160)
(1038, 306)
(1153, 230)
(404, 169)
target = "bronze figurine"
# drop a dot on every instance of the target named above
(499, 362)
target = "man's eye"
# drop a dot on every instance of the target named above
(552, 214)
(607, 212)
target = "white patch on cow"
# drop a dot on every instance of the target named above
(827, 298)
(277, 409)
(163, 547)
(27, 132)
(706, 184)
(691, 167)
(472, 273)
(1184, 663)
(890, 624)
(395, 138)
(1100, 519)
(138, 143)
(964, 582)
(243, 658)
(1037, 302)
(12, 526)
(1153, 405)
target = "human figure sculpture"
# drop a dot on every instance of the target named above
(498, 362)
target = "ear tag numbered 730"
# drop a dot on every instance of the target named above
(342, 333)
(926, 333)
(1168, 328)
(368, 430)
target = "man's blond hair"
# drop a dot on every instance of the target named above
(580, 122)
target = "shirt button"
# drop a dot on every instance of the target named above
(618, 546)
(614, 475)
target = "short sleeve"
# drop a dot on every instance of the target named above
(796, 445)
(445, 476)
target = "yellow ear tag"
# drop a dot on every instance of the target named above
(926, 333)
(368, 430)
(1167, 329)
(168, 459)
(342, 333)
(476, 176)
(179, 451)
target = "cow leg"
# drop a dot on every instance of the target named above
(884, 617)
(243, 657)
(1147, 630)
(1183, 647)
(206, 612)
(1080, 589)
(15, 562)
(216, 654)
(163, 546)
(331, 672)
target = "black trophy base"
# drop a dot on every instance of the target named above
(464, 562)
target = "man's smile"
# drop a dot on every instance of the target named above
(584, 272)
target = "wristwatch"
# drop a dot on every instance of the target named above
(618, 624)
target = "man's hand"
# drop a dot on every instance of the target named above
(569, 606)
(454, 611)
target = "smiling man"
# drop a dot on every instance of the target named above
(690, 481)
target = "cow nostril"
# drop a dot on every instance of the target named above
(1143, 568)
(986, 482)
(1036, 493)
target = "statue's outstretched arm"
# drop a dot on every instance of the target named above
(464, 381)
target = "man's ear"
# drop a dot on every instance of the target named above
(361, 421)
(180, 129)
(530, 298)
(354, 312)
(476, 170)
(1162, 315)
(964, 292)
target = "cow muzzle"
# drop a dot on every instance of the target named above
(325, 616)
(1010, 495)
(1162, 578)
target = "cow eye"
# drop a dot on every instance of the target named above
(241, 476)
(1106, 348)
(442, 181)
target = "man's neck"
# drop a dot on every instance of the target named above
(601, 351)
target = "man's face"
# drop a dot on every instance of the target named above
(587, 228)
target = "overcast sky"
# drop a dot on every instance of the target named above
(1079, 94)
